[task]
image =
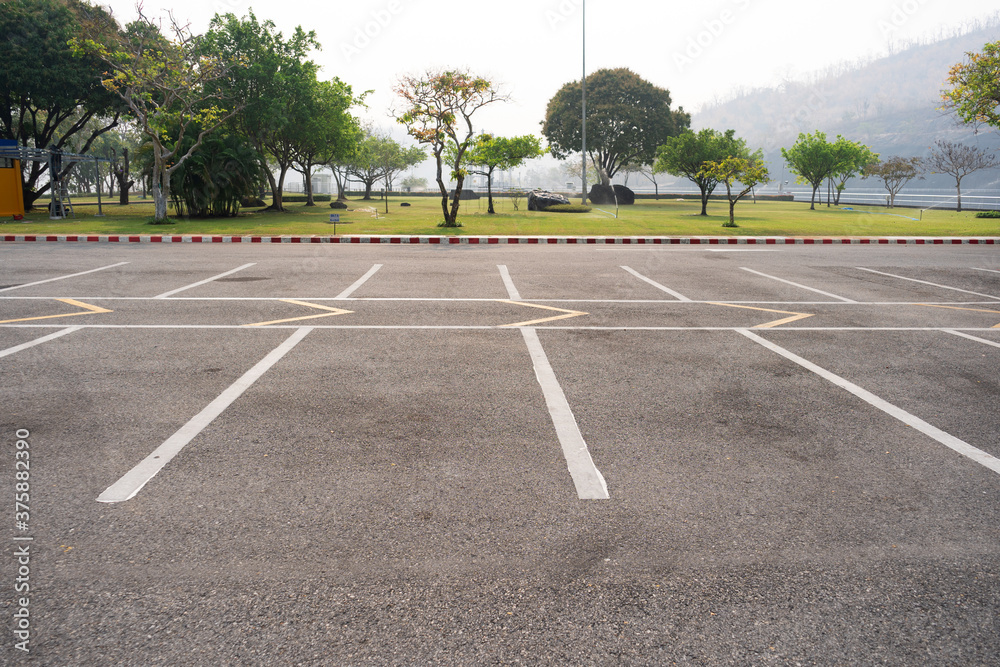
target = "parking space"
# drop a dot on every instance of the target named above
(598, 454)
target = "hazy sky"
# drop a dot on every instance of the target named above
(700, 51)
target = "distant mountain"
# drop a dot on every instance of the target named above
(891, 104)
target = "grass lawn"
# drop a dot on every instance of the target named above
(645, 218)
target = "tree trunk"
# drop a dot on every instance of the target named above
(456, 201)
(309, 185)
(124, 184)
(489, 193)
(958, 187)
(368, 189)
(704, 200)
(161, 185)
(732, 207)
(812, 202)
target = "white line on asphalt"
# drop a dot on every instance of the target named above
(742, 250)
(72, 275)
(460, 327)
(512, 292)
(203, 282)
(978, 340)
(679, 297)
(789, 282)
(37, 341)
(494, 300)
(589, 482)
(946, 439)
(130, 484)
(924, 282)
(988, 270)
(359, 282)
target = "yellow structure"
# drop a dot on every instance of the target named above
(11, 195)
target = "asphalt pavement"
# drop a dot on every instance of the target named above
(476, 455)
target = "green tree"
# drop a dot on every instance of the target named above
(975, 87)
(895, 173)
(365, 162)
(748, 171)
(688, 153)
(813, 159)
(274, 84)
(628, 118)
(490, 153)
(51, 97)
(958, 161)
(166, 83)
(438, 112)
(851, 158)
(327, 132)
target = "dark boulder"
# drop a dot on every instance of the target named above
(466, 195)
(604, 194)
(338, 204)
(601, 194)
(252, 202)
(405, 203)
(625, 196)
(539, 200)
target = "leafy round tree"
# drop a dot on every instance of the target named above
(975, 91)
(628, 118)
(747, 170)
(813, 159)
(688, 154)
(490, 153)
(49, 96)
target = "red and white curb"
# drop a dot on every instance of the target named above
(506, 240)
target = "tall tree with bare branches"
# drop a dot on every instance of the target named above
(958, 161)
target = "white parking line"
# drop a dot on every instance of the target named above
(789, 282)
(72, 275)
(512, 292)
(677, 295)
(359, 282)
(38, 341)
(131, 483)
(589, 481)
(946, 439)
(975, 338)
(924, 282)
(203, 282)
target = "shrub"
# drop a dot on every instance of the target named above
(567, 208)
(293, 199)
(988, 214)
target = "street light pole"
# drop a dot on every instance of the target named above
(583, 166)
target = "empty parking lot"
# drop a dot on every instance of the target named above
(477, 455)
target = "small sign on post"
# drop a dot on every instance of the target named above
(334, 218)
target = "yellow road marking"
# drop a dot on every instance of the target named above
(794, 316)
(90, 310)
(333, 311)
(977, 310)
(567, 313)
